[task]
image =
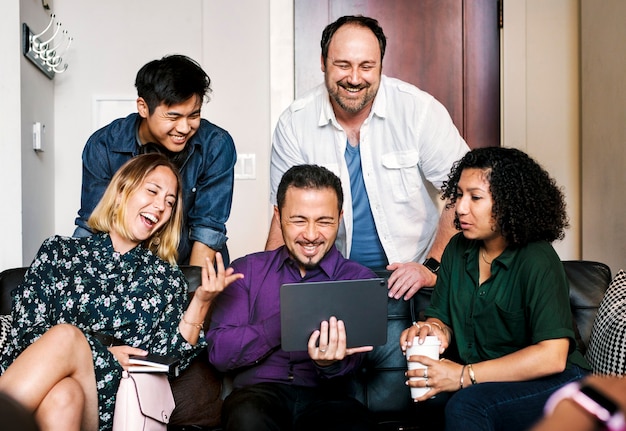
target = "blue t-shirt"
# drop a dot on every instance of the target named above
(366, 247)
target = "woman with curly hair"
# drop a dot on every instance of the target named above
(501, 299)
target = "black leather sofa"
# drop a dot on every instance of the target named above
(199, 390)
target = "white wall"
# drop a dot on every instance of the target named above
(38, 167)
(541, 103)
(237, 54)
(10, 137)
(603, 95)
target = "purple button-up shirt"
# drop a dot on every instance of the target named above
(245, 323)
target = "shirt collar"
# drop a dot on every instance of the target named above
(103, 241)
(505, 259)
(327, 265)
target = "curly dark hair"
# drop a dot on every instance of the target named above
(528, 205)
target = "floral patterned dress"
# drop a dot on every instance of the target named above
(136, 297)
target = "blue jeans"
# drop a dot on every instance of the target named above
(506, 406)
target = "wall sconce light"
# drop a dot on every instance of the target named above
(45, 49)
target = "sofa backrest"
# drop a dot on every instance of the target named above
(11, 278)
(588, 282)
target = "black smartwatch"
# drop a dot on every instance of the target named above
(432, 264)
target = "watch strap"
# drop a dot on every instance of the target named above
(592, 401)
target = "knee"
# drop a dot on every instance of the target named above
(66, 337)
(65, 331)
(252, 409)
(66, 399)
(240, 402)
(460, 407)
(67, 393)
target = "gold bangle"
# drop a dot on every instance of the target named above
(472, 376)
(198, 326)
(461, 380)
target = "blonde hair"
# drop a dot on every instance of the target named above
(110, 212)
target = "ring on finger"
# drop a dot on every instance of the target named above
(417, 325)
(430, 328)
(427, 385)
(323, 350)
(437, 325)
(426, 373)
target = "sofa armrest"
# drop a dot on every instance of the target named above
(9, 280)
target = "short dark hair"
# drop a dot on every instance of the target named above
(171, 80)
(528, 205)
(358, 20)
(309, 177)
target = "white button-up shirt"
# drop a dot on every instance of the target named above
(407, 141)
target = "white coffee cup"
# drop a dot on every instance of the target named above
(429, 348)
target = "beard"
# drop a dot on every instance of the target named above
(350, 104)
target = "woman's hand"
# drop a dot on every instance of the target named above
(122, 354)
(215, 282)
(441, 376)
(421, 330)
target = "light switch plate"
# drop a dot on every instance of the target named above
(37, 138)
(245, 168)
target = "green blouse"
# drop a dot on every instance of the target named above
(525, 301)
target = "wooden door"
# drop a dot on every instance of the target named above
(449, 48)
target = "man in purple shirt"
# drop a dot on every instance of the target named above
(274, 389)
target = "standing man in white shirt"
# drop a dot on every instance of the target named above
(386, 140)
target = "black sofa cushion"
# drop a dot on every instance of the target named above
(588, 281)
(9, 279)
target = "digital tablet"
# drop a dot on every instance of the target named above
(361, 304)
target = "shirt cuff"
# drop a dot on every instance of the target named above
(209, 237)
(81, 232)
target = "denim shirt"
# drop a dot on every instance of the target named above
(207, 174)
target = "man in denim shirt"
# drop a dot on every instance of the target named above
(170, 92)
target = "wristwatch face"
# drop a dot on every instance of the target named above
(432, 264)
